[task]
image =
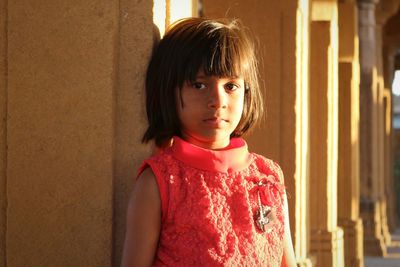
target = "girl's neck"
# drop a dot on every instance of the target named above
(206, 144)
(234, 157)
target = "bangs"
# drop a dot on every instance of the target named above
(220, 51)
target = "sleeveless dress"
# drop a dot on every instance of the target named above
(211, 201)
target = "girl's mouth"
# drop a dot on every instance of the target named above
(215, 121)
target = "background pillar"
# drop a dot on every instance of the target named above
(349, 119)
(326, 237)
(370, 206)
(3, 131)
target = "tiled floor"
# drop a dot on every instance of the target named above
(381, 262)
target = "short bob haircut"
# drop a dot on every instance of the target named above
(220, 48)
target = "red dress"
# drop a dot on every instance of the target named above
(211, 203)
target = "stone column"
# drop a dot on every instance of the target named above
(381, 135)
(390, 183)
(370, 206)
(348, 178)
(135, 40)
(297, 142)
(282, 30)
(3, 131)
(326, 236)
(348, 164)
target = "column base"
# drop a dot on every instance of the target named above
(327, 246)
(304, 262)
(385, 228)
(353, 242)
(374, 243)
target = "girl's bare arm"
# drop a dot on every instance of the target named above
(288, 258)
(143, 222)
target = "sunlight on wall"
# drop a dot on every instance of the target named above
(396, 83)
(180, 9)
(160, 15)
(166, 12)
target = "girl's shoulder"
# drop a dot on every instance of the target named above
(158, 160)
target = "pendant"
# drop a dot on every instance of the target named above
(262, 217)
(263, 213)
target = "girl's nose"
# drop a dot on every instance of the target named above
(217, 98)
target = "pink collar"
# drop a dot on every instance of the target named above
(233, 158)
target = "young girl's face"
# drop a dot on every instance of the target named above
(209, 109)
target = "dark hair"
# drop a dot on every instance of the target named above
(219, 47)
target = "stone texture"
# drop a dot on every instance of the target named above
(60, 132)
(3, 131)
(135, 42)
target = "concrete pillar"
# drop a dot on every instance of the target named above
(369, 131)
(59, 82)
(326, 236)
(383, 180)
(282, 30)
(135, 41)
(348, 160)
(390, 183)
(3, 131)
(348, 185)
(297, 143)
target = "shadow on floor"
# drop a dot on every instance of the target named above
(393, 257)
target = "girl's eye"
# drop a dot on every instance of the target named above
(231, 86)
(198, 85)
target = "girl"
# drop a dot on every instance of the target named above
(203, 199)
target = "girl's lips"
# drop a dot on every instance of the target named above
(215, 121)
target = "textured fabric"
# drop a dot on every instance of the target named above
(209, 206)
